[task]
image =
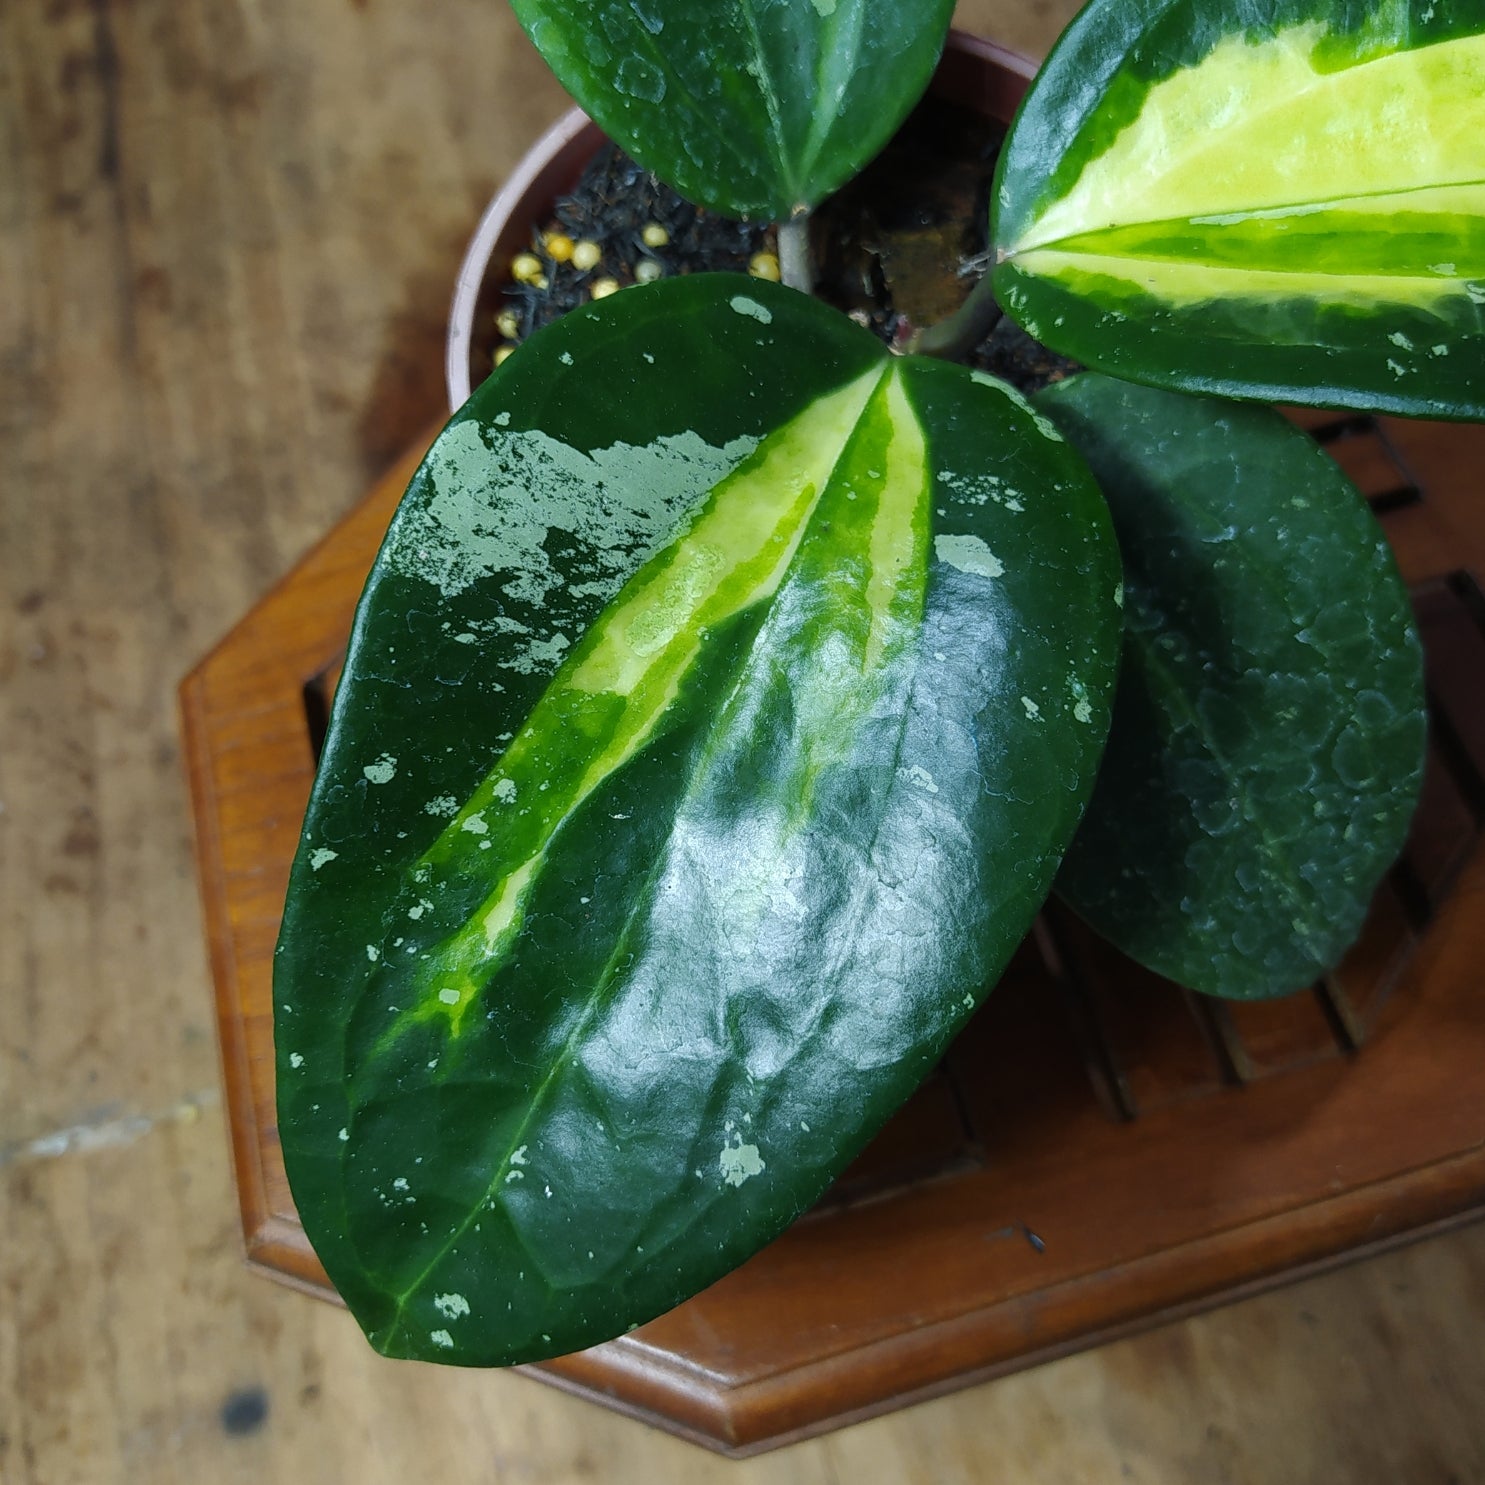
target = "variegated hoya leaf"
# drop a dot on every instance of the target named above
(752, 108)
(717, 712)
(1267, 745)
(1281, 200)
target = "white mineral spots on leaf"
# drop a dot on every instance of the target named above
(968, 554)
(505, 791)
(1032, 709)
(383, 771)
(750, 307)
(1476, 292)
(373, 953)
(400, 1184)
(475, 825)
(514, 1175)
(502, 420)
(804, 1126)
(1395, 368)
(441, 1338)
(518, 1156)
(1446, 269)
(344, 1135)
(1259, 126)
(1439, 350)
(321, 856)
(565, 358)
(488, 504)
(1400, 340)
(444, 805)
(295, 1060)
(740, 1162)
(1118, 595)
(1082, 712)
(919, 776)
(451, 1306)
(466, 638)
(448, 995)
(539, 654)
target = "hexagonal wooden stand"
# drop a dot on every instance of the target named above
(1098, 1152)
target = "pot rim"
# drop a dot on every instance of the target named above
(1001, 73)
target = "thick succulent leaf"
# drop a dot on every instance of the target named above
(1267, 746)
(753, 108)
(717, 712)
(1281, 200)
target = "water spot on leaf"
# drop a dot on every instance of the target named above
(968, 554)
(740, 1162)
(640, 78)
(383, 771)
(742, 305)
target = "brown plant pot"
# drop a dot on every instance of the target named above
(974, 73)
(1098, 1152)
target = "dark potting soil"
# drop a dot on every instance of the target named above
(899, 247)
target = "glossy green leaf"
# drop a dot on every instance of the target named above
(1279, 201)
(717, 711)
(753, 108)
(1267, 746)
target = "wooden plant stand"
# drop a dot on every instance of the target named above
(1098, 1152)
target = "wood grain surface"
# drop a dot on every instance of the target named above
(228, 229)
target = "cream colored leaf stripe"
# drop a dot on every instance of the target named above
(1263, 132)
(613, 692)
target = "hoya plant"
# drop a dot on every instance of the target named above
(730, 692)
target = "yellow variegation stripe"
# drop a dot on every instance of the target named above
(1181, 283)
(1263, 131)
(899, 534)
(629, 669)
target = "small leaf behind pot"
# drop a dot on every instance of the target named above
(1283, 201)
(717, 712)
(1267, 746)
(751, 110)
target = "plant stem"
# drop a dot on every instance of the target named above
(796, 267)
(954, 338)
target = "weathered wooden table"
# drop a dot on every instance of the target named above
(228, 231)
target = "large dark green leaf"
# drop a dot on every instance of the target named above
(750, 107)
(718, 709)
(1267, 744)
(1276, 200)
